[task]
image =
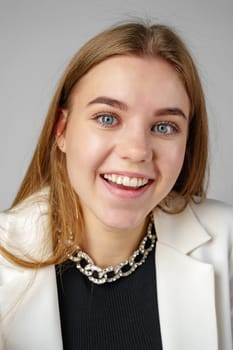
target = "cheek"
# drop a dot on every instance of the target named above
(84, 152)
(171, 160)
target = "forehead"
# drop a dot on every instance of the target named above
(135, 79)
(129, 65)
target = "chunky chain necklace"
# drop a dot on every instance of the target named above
(112, 273)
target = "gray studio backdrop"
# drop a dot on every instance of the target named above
(37, 39)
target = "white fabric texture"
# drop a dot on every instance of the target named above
(194, 264)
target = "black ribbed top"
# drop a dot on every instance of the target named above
(121, 315)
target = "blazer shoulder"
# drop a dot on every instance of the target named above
(213, 208)
(24, 226)
(216, 217)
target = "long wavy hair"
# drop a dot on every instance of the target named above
(48, 165)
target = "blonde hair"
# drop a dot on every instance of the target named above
(48, 165)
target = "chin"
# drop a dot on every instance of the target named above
(123, 219)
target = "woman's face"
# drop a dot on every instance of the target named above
(125, 138)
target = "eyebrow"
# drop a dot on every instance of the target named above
(110, 102)
(170, 111)
(123, 106)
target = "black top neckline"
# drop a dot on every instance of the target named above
(121, 315)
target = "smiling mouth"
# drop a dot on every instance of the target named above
(126, 182)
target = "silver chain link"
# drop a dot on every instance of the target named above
(112, 273)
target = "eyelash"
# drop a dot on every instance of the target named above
(97, 117)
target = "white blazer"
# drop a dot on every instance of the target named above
(194, 264)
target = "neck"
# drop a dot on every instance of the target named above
(108, 246)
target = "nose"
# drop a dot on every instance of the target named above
(135, 146)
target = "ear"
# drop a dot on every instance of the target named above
(60, 130)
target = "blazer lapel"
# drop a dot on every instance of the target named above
(185, 286)
(35, 324)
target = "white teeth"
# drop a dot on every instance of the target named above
(113, 177)
(126, 181)
(119, 180)
(134, 182)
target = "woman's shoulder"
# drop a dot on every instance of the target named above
(214, 209)
(25, 224)
(217, 219)
(32, 208)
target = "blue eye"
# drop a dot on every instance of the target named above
(165, 128)
(106, 119)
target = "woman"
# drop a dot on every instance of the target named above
(115, 198)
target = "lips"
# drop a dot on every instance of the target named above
(126, 185)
